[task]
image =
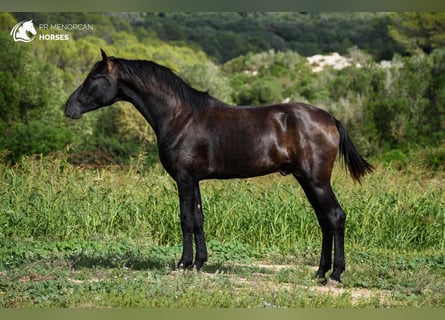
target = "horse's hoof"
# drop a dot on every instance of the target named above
(199, 264)
(322, 280)
(184, 266)
(320, 277)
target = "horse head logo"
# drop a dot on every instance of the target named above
(24, 31)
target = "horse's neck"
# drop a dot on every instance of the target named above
(159, 111)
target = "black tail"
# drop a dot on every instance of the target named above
(354, 162)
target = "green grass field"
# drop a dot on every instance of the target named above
(77, 237)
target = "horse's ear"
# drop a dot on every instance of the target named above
(104, 55)
(109, 63)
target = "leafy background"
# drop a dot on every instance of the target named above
(241, 58)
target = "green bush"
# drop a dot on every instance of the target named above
(410, 111)
(431, 158)
(31, 95)
(264, 90)
(396, 158)
(34, 137)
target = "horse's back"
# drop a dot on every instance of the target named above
(251, 141)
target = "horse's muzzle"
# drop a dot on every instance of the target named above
(73, 112)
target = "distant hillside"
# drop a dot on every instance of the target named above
(391, 108)
(227, 35)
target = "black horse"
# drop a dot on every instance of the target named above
(200, 137)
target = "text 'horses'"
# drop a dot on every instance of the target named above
(200, 137)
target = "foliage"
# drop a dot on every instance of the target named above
(409, 110)
(419, 31)
(270, 77)
(30, 103)
(34, 137)
(431, 158)
(396, 107)
(399, 106)
(227, 35)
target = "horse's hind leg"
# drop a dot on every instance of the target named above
(331, 218)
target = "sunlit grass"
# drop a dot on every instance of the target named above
(73, 236)
(49, 199)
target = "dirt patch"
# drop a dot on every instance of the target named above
(332, 288)
(36, 278)
(267, 278)
(356, 294)
(274, 267)
(78, 281)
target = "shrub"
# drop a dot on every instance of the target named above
(34, 137)
(30, 98)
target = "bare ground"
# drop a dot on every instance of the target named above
(262, 281)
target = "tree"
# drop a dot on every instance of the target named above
(31, 95)
(7, 21)
(419, 31)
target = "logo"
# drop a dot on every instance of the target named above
(24, 31)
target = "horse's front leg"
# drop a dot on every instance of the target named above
(186, 202)
(192, 223)
(198, 230)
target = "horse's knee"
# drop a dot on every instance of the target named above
(337, 218)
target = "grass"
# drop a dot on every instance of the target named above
(127, 274)
(76, 237)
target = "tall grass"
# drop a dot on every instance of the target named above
(48, 199)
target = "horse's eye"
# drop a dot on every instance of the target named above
(102, 79)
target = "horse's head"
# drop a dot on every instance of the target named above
(98, 90)
(21, 31)
(29, 26)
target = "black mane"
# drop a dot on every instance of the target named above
(146, 73)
